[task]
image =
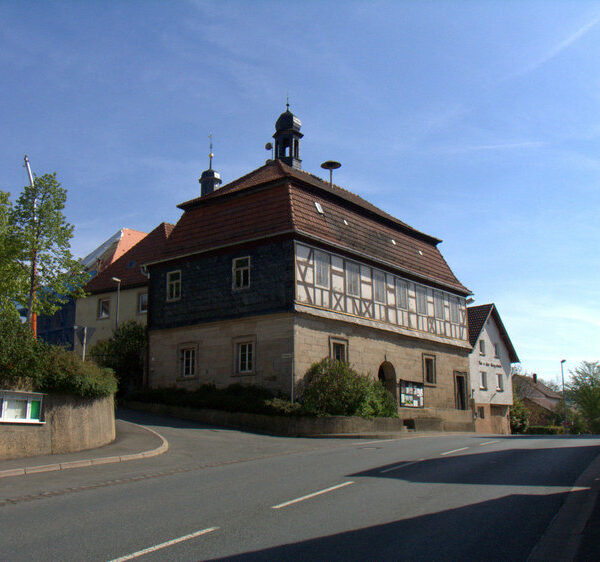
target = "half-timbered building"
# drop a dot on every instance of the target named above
(278, 269)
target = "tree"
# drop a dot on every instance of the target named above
(519, 416)
(584, 392)
(9, 253)
(48, 272)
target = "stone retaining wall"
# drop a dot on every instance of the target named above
(71, 424)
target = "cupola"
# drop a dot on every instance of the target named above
(210, 180)
(287, 139)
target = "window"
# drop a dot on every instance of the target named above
(481, 412)
(20, 407)
(245, 357)
(401, 293)
(241, 273)
(496, 350)
(173, 285)
(379, 286)
(429, 375)
(500, 386)
(411, 394)
(353, 279)
(482, 380)
(421, 300)
(322, 269)
(439, 305)
(103, 308)
(482, 347)
(338, 350)
(454, 318)
(187, 360)
(143, 303)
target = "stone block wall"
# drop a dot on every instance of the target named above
(71, 424)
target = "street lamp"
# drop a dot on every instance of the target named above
(118, 282)
(562, 374)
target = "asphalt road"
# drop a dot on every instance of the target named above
(224, 494)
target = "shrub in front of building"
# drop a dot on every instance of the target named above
(333, 388)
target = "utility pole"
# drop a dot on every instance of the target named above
(31, 315)
(562, 374)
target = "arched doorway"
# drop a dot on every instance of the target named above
(387, 375)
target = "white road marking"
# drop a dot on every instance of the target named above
(487, 443)
(285, 504)
(165, 544)
(454, 451)
(375, 442)
(397, 466)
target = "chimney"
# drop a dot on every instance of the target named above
(534, 378)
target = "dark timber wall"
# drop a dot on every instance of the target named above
(206, 286)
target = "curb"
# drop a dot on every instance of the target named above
(564, 535)
(162, 448)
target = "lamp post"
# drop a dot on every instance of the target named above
(562, 374)
(118, 282)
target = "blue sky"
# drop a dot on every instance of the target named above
(476, 122)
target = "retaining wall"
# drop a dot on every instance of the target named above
(71, 424)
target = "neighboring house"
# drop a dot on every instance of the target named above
(98, 311)
(60, 328)
(542, 402)
(490, 367)
(278, 269)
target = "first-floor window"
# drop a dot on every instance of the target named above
(353, 279)
(241, 273)
(401, 294)
(143, 303)
(20, 407)
(339, 350)
(322, 269)
(379, 286)
(187, 358)
(411, 394)
(421, 300)
(483, 380)
(173, 285)
(438, 300)
(429, 369)
(103, 308)
(454, 310)
(481, 412)
(500, 382)
(245, 357)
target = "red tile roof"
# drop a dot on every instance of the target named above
(277, 199)
(127, 267)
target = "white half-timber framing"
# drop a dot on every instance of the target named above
(398, 305)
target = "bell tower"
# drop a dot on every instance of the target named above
(287, 139)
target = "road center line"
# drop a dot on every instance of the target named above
(165, 544)
(374, 442)
(285, 504)
(487, 443)
(454, 451)
(397, 466)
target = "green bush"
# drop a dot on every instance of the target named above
(334, 388)
(544, 430)
(27, 363)
(519, 416)
(249, 399)
(66, 372)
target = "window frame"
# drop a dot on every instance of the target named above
(99, 313)
(429, 359)
(320, 260)
(481, 412)
(379, 280)
(29, 398)
(184, 348)
(401, 288)
(454, 310)
(139, 307)
(421, 297)
(250, 362)
(173, 284)
(439, 303)
(333, 342)
(235, 269)
(481, 346)
(499, 382)
(350, 272)
(483, 384)
(496, 351)
(413, 387)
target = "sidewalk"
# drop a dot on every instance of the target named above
(133, 442)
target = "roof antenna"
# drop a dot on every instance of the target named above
(331, 165)
(287, 101)
(210, 154)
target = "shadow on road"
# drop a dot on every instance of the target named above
(481, 531)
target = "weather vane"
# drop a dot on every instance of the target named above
(210, 154)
